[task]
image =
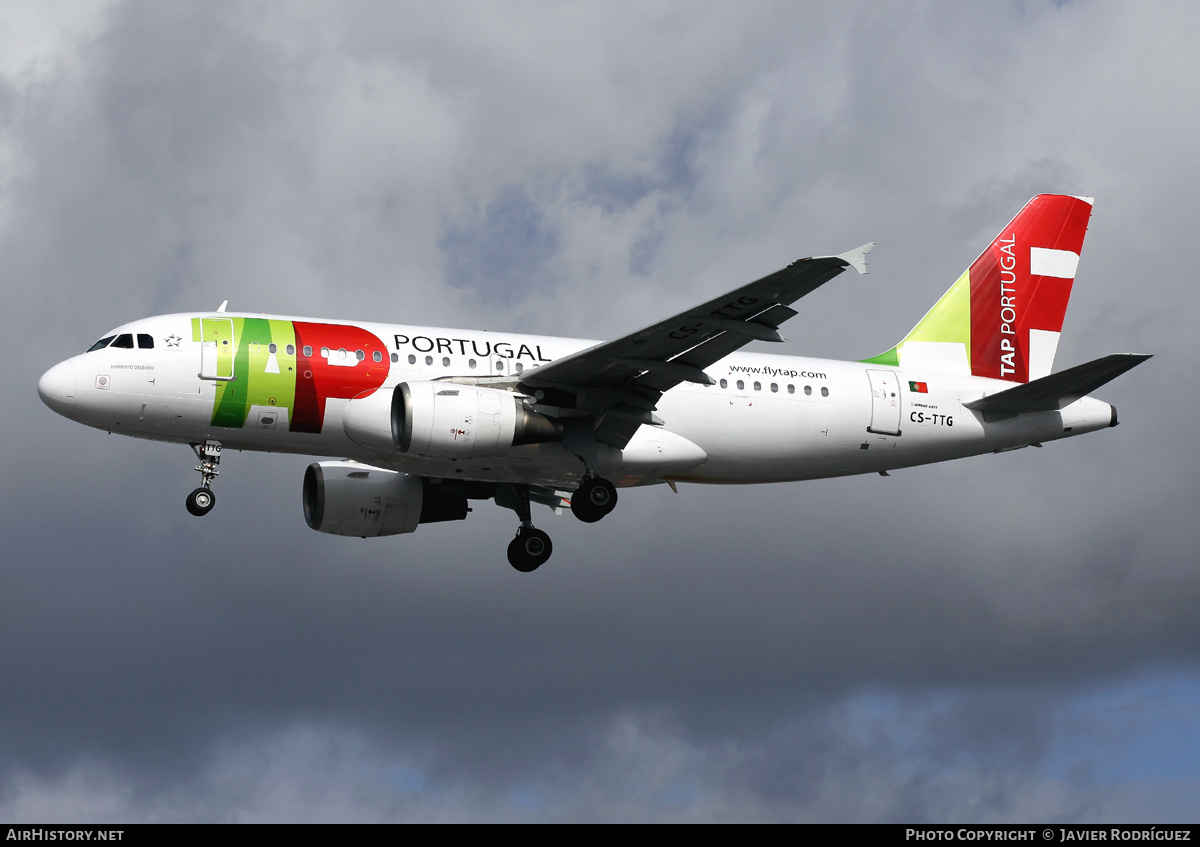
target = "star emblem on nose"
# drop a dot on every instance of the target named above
(172, 340)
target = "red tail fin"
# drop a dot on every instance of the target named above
(1020, 287)
(1002, 318)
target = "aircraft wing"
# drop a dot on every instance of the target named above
(620, 381)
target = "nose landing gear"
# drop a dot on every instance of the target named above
(201, 501)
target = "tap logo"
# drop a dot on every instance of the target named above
(292, 367)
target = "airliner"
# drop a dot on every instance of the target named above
(427, 419)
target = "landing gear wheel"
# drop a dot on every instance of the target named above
(529, 550)
(201, 501)
(594, 499)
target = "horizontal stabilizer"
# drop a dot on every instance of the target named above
(1059, 390)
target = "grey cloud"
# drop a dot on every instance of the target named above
(503, 255)
(905, 648)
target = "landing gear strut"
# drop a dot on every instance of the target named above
(532, 547)
(594, 499)
(201, 501)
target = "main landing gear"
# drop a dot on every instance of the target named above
(532, 547)
(596, 496)
(201, 501)
(594, 499)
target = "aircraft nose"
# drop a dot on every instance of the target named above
(57, 387)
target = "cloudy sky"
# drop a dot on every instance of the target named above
(1009, 637)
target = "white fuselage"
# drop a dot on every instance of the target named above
(769, 418)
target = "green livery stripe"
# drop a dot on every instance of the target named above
(948, 321)
(950, 317)
(891, 357)
(261, 378)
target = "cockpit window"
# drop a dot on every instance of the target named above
(145, 341)
(125, 341)
(102, 343)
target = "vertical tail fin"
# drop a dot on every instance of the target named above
(1003, 317)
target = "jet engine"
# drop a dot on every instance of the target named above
(370, 420)
(447, 421)
(346, 498)
(442, 420)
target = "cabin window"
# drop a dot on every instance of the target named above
(445, 361)
(360, 355)
(272, 348)
(377, 356)
(412, 360)
(808, 390)
(499, 365)
(395, 357)
(145, 341)
(307, 350)
(791, 388)
(429, 360)
(291, 349)
(471, 363)
(774, 388)
(757, 386)
(102, 343)
(519, 367)
(724, 383)
(741, 385)
(824, 391)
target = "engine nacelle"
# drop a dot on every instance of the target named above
(370, 421)
(447, 421)
(346, 498)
